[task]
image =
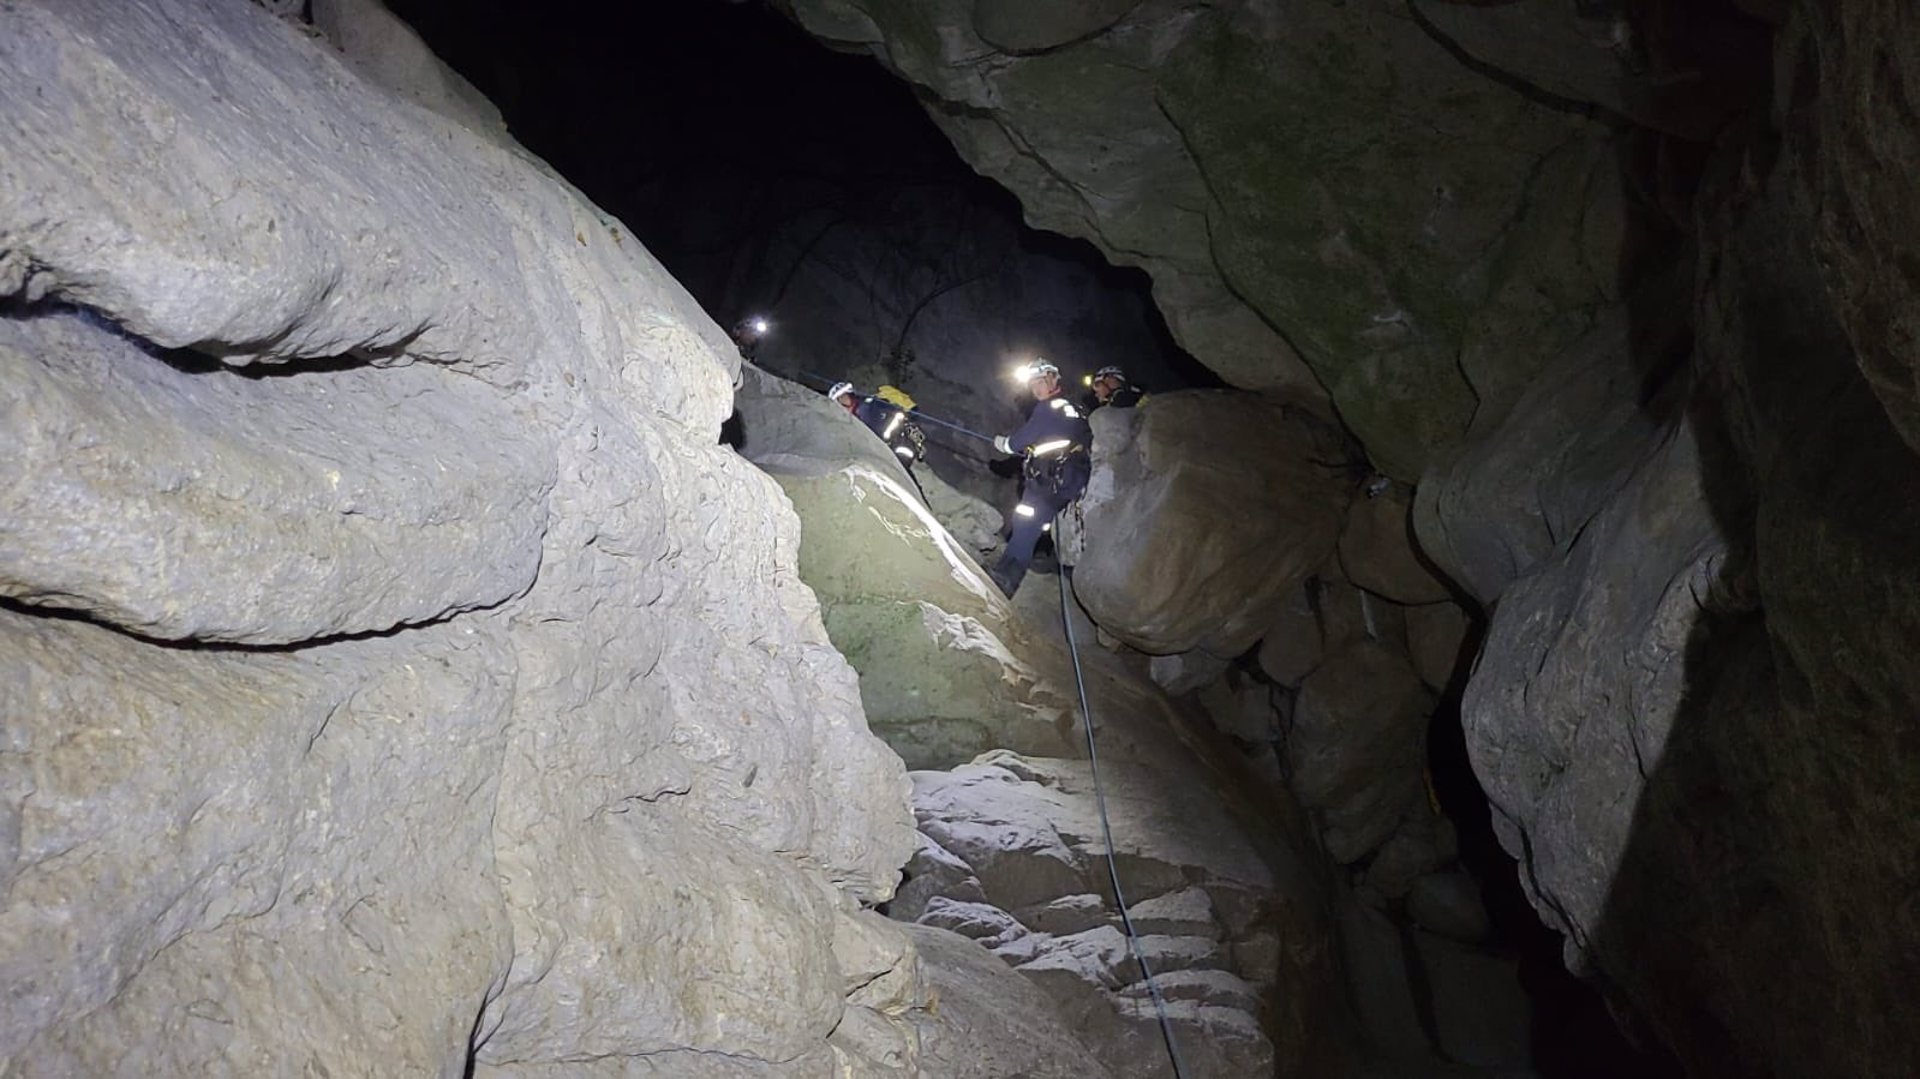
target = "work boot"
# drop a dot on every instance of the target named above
(1007, 577)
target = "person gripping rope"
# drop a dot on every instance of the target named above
(1054, 440)
(893, 423)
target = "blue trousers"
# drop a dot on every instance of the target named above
(1037, 508)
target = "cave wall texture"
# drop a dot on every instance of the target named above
(401, 680)
(1625, 289)
(395, 666)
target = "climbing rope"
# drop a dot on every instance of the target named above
(1106, 831)
(915, 414)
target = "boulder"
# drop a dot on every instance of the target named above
(932, 871)
(1218, 988)
(1481, 1012)
(1176, 558)
(1602, 626)
(1357, 746)
(1599, 55)
(1422, 1000)
(1448, 904)
(971, 521)
(1349, 614)
(1509, 499)
(1293, 646)
(1424, 842)
(387, 51)
(983, 922)
(1436, 633)
(1377, 550)
(1068, 914)
(1723, 659)
(1202, 897)
(1253, 159)
(1375, 965)
(1188, 912)
(989, 1022)
(1245, 710)
(949, 669)
(370, 564)
(1186, 671)
(1850, 74)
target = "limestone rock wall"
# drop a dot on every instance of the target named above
(1689, 711)
(1254, 157)
(1204, 509)
(1641, 331)
(398, 672)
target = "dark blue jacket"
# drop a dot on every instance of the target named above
(1052, 420)
(878, 414)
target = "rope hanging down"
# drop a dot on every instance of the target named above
(1106, 832)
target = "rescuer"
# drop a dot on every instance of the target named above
(887, 417)
(1054, 441)
(747, 334)
(1112, 387)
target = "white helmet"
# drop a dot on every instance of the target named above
(1037, 368)
(839, 390)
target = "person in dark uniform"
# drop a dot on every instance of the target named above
(747, 334)
(1111, 387)
(1054, 441)
(891, 422)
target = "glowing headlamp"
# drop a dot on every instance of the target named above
(759, 325)
(1032, 369)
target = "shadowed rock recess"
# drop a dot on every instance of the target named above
(402, 678)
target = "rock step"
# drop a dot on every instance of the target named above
(1214, 988)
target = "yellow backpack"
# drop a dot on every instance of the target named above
(894, 395)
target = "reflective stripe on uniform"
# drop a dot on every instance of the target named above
(1055, 446)
(1067, 406)
(1023, 510)
(893, 425)
(904, 452)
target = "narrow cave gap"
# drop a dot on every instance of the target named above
(737, 148)
(753, 161)
(204, 359)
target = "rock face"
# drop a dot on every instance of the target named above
(948, 668)
(1252, 158)
(1013, 857)
(1356, 746)
(1688, 712)
(971, 994)
(1205, 509)
(1855, 121)
(1012, 854)
(371, 571)
(1678, 484)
